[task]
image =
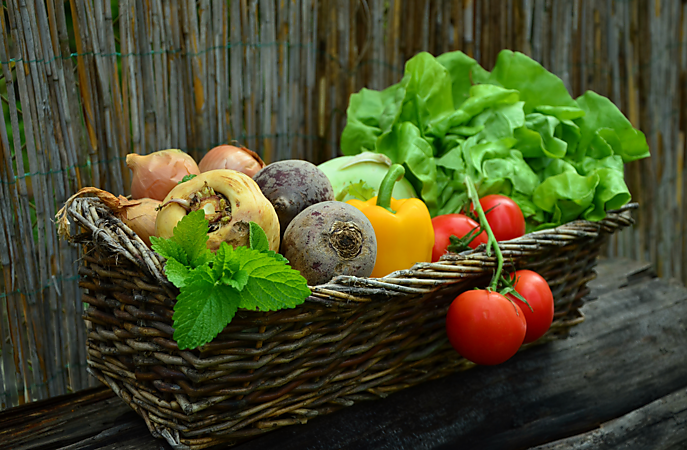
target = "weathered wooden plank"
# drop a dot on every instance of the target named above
(618, 273)
(660, 425)
(61, 420)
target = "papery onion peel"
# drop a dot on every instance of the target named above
(240, 159)
(156, 174)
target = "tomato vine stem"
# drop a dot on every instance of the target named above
(491, 243)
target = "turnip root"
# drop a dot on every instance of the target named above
(329, 239)
(230, 199)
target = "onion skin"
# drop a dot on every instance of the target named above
(243, 198)
(156, 174)
(141, 218)
(240, 159)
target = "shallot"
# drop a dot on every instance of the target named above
(240, 159)
(156, 174)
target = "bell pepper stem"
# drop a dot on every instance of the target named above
(491, 243)
(394, 174)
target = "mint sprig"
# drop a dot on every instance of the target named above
(258, 241)
(212, 286)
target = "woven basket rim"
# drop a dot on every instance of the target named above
(422, 278)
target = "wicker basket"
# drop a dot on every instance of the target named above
(354, 339)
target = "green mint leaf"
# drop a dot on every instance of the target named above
(226, 267)
(278, 256)
(258, 238)
(191, 234)
(203, 309)
(177, 272)
(225, 262)
(187, 178)
(237, 280)
(169, 249)
(272, 285)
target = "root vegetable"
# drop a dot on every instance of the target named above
(156, 174)
(230, 199)
(329, 239)
(240, 159)
(292, 186)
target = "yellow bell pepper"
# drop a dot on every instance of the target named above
(404, 230)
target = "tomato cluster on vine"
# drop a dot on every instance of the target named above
(488, 328)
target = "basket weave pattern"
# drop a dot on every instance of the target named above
(353, 339)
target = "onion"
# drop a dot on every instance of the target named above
(141, 218)
(239, 159)
(139, 215)
(156, 174)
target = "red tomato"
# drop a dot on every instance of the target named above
(505, 219)
(453, 224)
(484, 327)
(534, 288)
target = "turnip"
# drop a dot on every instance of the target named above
(230, 199)
(329, 239)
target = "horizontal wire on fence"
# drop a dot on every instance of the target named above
(242, 137)
(35, 291)
(6, 394)
(227, 46)
(603, 71)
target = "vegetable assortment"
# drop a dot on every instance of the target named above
(451, 158)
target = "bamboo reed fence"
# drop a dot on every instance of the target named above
(85, 82)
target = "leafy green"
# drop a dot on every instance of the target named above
(603, 124)
(213, 286)
(257, 238)
(203, 308)
(537, 86)
(515, 131)
(188, 243)
(258, 241)
(405, 143)
(188, 177)
(464, 72)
